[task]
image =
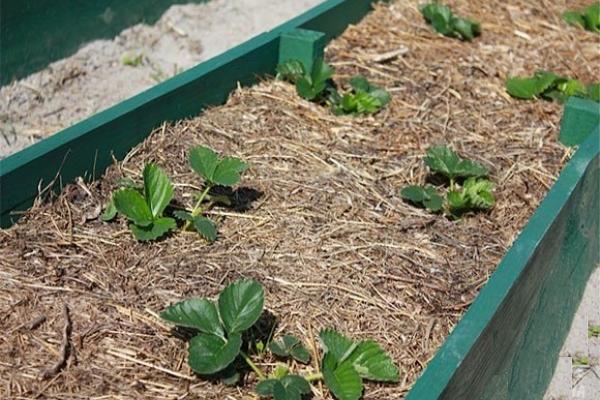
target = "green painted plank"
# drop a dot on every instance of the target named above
(85, 149)
(37, 32)
(303, 45)
(578, 120)
(507, 344)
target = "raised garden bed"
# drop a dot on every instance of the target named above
(318, 220)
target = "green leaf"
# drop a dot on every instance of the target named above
(266, 387)
(574, 18)
(468, 168)
(321, 72)
(204, 161)
(157, 188)
(341, 379)
(427, 196)
(228, 170)
(156, 229)
(457, 201)
(209, 354)
(479, 193)
(414, 193)
(290, 346)
(434, 201)
(465, 29)
(199, 314)
(131, 204)
(366, 104)
(183, 215)
(372, 362)
(110, 211)
(522, 88)
(380, 95)
(304, 87)
(336, 344)
(572, 87)
(289, 387)
(240, 305)
(360, 84)
(592, 17)
(593, 92)
(290, 70)
(442, 160)
(205, 227)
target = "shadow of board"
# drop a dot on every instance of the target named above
(34, 33)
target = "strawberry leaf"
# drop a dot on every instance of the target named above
(290, 346)
(290, 71)
(240, 305)
(110, 211)
(157, 189)
(289, 387)
(209, 354)
(522, 88)
(132, 205)
(205, 227)
(336, 344)
(373, 363)
(593, 92)
(341, 379)
(574, 18)
(228, 170)
(479, 193)
(156, 229)
(426, 196)
(183, 215)
(204, 161)
(199, 314)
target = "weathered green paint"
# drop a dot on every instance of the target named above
(578, 120)
(507, 344)
(302, 45)
(85, 149)
(33, 33)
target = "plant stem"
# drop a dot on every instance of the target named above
(314, 377)
(254, 367)
(451, 183)
(198, 207)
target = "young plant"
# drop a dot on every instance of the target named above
(550, 86)
(365, 98)
(215, 171)
(588, 19)
(476, 192)
(443, 21)
(220, 342)
(310, 85)
(144, 208)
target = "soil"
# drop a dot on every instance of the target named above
(317, 219)
(95, 77)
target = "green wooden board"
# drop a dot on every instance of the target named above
(507, 344)
(86, 149)
(578, 120)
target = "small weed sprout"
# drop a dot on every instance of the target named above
(475, 192)
(220, 341)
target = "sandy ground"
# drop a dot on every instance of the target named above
(96, 77)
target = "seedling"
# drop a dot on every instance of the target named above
(144, 208)
(588, 19)
(594, 331)
(475, 192)
(550, 86)
(581, 361)
(365, 98)
(443, 21)
(215, 171)
(222, 325)
(132, 59)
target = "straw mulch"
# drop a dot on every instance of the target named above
(319, 223)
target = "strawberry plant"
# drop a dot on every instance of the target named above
(365, 98)
(317, 86)
(310, 85)
(215, 171)
(445, 22)
(469, 189)
(221, 341)
(550, 86)
(588, 19)
(144, 207)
